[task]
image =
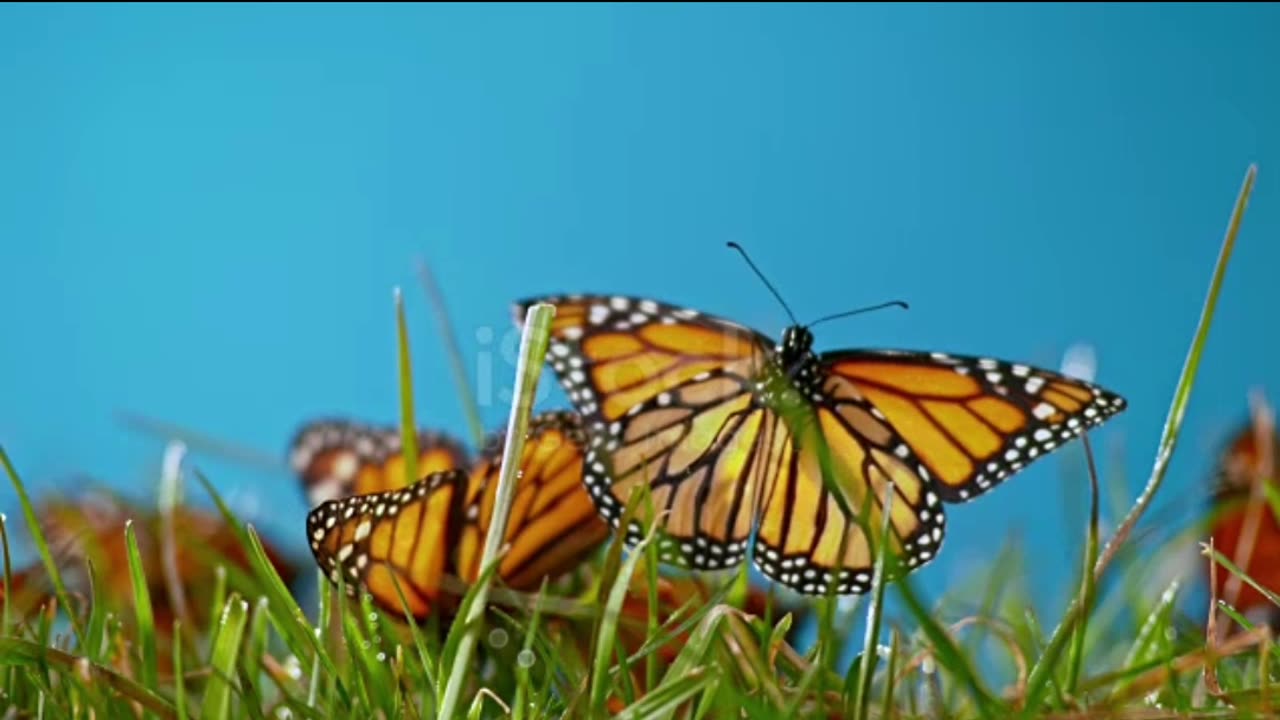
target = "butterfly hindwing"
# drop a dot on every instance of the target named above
(806, 539)
(378, 540)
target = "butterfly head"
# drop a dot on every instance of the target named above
(797, 342)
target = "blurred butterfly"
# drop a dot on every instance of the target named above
(731, 430)
(90, 529)
(1242, 463)
(339, 458)
(416, 535)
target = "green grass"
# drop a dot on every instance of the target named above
(1122, 647)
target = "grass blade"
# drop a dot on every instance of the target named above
(1168, 441)
(1086, 575)
(663, 701)
(35, 655)
(871, 641)
(533, 353)
(408, 425)
(179, 683)
(226, 650)
(450, 339)
(42, 546)
(142, 609)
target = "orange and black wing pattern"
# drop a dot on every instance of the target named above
(382, 540)
(666, 399)
(972, 422)
(416, 535)
(553, 524)
(339, 458)
(734, 435)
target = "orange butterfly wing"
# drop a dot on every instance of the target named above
(339, 458)
(416, 535)
(553, 524)
(396, 537)
(666, 396)
(971, 421)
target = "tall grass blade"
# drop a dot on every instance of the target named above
(466, 393)
(1087, 578)
(533, 353)
(408, 425)
(142, 609)
(222, 659)
(42, 546)
(608, 630)
(1168, 441)
(944, 650)
(871, 642)
(179, 680)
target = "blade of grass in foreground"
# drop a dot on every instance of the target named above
(179, 681)
(944, 650)
(533, 353)
(142, 609)
(408, 425)
(6, 591)
(42, 546)
(226, 646)
(454, 354)
(289, 619)
(1087, 578)
(1168, 441)
(14, 651)
(871, 643)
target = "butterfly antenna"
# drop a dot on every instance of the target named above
(764, 280)
(881, 306)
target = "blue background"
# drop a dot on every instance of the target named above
(204, 210)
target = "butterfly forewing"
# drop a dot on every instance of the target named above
(553, 524)
(971, 421)
(665, 393)
(338, 458)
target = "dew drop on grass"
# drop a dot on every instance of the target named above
(382, 657)
(498, 637)
(525, 659)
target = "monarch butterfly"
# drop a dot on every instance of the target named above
(699, 408)
(416, 535)
(1242, 463)
(339, 458)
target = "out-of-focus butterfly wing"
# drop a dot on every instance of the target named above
(971, 422)
(553, 524)
(379, 540)
(338, 458)
(1244, 461)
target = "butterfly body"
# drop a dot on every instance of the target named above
(750, 443)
